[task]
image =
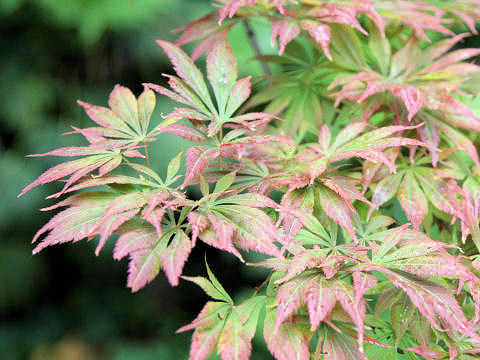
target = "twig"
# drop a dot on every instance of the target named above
(256, 47)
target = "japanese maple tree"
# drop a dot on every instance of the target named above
(369, 112)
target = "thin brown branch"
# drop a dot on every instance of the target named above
(256, 48)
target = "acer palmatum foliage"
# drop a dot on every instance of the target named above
(366, 134)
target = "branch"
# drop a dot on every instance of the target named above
(256, 47)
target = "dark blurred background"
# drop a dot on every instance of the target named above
(65, 303)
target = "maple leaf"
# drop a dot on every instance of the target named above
(316, 16)
(320, 296)
(126, 122)
(221, 324)
(149, 252)
(297, 91)
(236, 220)
(420, 16)
(121, 129)
(349, 144)
(297, 200)
(335, 193)
(290, 299)
(470, 208)
(424, 81)
(232, 6)
(415, 187)
(320, 300)
(311, 19)
(290, 341)
(430, 298)
(464, 11)
(75, 223)
(207, 30)
(338, 346)
(103, 160)
(190, 88)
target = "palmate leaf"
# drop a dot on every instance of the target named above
(335, 193)
(223, 220)
(320, 300)
(152, 204)
(432, 299)
(427, 82)
(103, 213)
(125, 124)
(103, 160)
(121, 128)
(402, 253)
(320, 295)
(418, 15)
(190, 88)
(297, 93)
(223, 325)
(315, 19)
(465, 11)
(350, 144)
(149, 253)
(290, 341)
(335, 346)
(415, 187)
(77, 222)
(409, 255)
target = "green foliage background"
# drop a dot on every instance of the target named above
(64, 304)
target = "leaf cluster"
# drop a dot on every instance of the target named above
(367, 115)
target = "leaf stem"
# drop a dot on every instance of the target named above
(146, 154)
(258, 288)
